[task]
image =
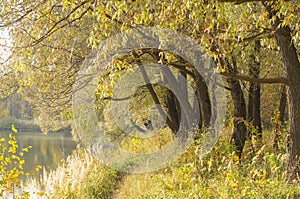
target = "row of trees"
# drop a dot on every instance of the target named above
(15, 107)
(251, 42)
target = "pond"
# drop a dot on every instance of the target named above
(47, 150)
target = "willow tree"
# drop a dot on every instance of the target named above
(44, 51)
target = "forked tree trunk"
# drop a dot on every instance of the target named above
(177, 117)
(203, 100)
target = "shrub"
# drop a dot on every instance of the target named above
(11, 166)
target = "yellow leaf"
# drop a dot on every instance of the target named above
(12, 150)
(13, 128)
(41, 194)
(222, 70)
(15, 157)
(16, 180)
(234, 185)
(8, 160)
(38, 167)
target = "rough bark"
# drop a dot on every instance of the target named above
(239, 131)
(239, 135)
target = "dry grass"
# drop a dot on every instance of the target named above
(79, 176)
(260, 174)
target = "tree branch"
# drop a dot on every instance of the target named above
(53, 29)
(21, 17)
(239, 1)
(256, 80)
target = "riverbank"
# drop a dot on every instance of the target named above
(261, 174)
(79, 176)
(24, 125)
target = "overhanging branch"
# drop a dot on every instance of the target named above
(281, 80)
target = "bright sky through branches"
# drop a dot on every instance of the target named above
(5, 41)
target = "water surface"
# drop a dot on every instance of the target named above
(47, 150)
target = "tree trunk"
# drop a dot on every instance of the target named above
(239, 131)
(256, 112)
(291, 62)
(239, 135)
(203, 100)
(250, 107)
(280, 120)
(187, 116)
(282, 104)
(173, 112)
(254, 117)
(256, 100)
(183, 85)
(293, 139)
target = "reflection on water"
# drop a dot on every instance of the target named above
(47, 150)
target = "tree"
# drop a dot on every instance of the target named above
(283, 37)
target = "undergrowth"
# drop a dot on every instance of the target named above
(220, 174)
(79, 176)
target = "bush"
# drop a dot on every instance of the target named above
(11, 166)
